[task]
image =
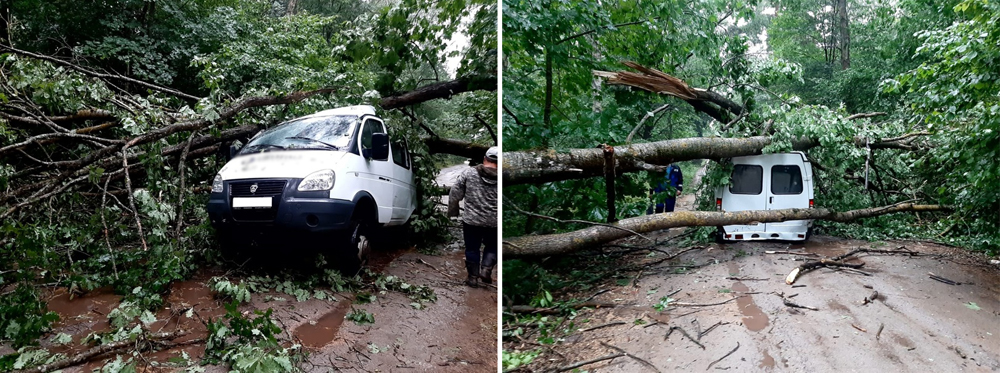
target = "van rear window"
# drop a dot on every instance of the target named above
(747, 179)
(786, 180)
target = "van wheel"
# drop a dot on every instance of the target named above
(358, 245)
(718, 236)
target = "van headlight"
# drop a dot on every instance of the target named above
(319, 180)
(217, 184)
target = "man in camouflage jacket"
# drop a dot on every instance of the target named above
(478, 186)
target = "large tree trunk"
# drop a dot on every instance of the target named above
(538, 166)
(563, 243)
(440, 90)
(844, 30)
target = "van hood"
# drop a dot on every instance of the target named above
(286, 164)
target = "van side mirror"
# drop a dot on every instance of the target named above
(380, 147)
(233, 149)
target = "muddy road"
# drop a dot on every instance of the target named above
(731, 299)
(456, 333)
(915, 324)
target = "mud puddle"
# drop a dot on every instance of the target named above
(319, 333)
(455, 333)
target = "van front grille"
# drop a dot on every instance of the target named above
(264, 188)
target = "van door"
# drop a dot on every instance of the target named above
(376, 174)
(786, 189)
(404, 192)
(746, 191)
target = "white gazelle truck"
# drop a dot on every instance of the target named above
(768, 182)
(334, 175)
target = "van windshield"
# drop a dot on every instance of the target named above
(323, 133)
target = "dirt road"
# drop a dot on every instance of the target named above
(457, 333)
(915, 324)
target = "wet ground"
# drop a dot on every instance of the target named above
(456, 333)
(914, 324)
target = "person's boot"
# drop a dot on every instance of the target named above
(486, 272)
(473, 279)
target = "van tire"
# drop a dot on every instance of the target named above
(718, 236)
(357, 245)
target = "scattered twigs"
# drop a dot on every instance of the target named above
(790, 253)
(596, 294)
(789, 303)
(863, 330)
(870, 298)
(131, 198)
(879, 333)
(706, 331)
(181, 190)
(591, 361)
(678, 304)
(796, 305)
(724, 356)
(942, 279)
(557, 310)
(603, 326)
(809, 266)
(103, 349)
(746, 279)
(639, 359)
(672, 328)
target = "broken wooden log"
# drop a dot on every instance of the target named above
(563, 243)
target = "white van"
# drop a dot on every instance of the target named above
(331, 172)
(768, 182)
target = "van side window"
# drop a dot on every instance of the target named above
(747, 179)
(370, 127)
(399, 154)
(786, 179)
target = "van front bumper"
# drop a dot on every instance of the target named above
(312, 212)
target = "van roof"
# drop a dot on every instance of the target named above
(357, 110)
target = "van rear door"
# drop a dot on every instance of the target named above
(787, 189)
(746, 191)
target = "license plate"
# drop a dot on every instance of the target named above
(251, 202)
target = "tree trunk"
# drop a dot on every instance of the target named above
(291, 7)
(547, 109)
(5, 22)
(844, 31)
(440, 90)
(564, 243)
(609, 181)
(546, 165)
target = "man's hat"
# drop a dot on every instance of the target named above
(493, 154)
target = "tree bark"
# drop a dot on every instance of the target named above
(440, 90)
(844, 26)
(609, 181)
(564, 243)
(546, 165)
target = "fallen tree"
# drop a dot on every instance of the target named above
(548, 165)
(563, 243)
(37, 172)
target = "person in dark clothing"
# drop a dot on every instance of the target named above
(478, 186)
(668, 189)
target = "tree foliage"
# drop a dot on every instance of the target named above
(112, 115)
